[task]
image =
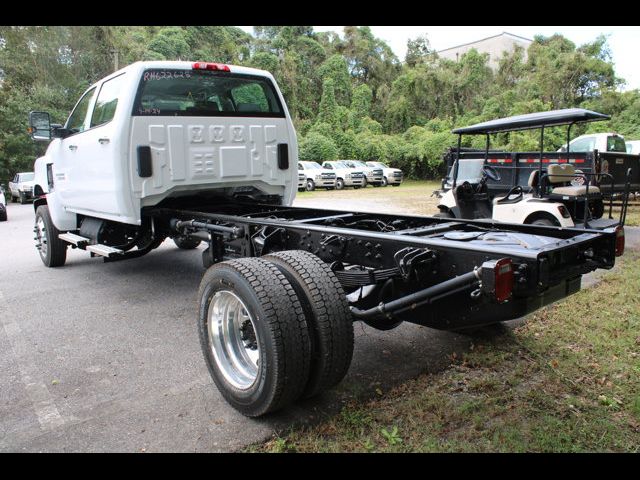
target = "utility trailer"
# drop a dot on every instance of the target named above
(201, 152)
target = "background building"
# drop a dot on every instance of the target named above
(494, 46)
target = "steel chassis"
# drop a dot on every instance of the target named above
(401, 268)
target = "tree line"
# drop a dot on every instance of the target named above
(348, 94)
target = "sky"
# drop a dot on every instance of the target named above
(623, 41)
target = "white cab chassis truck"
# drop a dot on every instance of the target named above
(198, 151)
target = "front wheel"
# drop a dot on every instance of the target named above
(339, 184)
(365, 182)
(310, 186)
(385, 182)
(23, 198)
(52, 250)
(253, 335)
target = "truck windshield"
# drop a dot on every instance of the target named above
(26, 177)
(310, 165)
(205, 93)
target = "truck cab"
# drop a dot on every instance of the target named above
(603, 142)
(166, 132)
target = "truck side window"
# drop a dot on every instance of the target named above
(107, 101)
(76, 121)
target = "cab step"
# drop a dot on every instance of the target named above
(74, 239)
(104, 250)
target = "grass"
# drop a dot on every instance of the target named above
(568, 380)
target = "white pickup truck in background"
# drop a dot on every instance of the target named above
(316, 177)
(390, 176)
(603, 142)
(346, 176)
(21, 187)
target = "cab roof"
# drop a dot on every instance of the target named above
(531, 121)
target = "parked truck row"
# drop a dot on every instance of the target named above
(205, 152)
(339, 174)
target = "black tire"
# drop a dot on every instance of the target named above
(365, 182)
(444, 215)
(385, 182)
(328, 316)
(547, 222)
(186, 243)
(14, 199)
(52, 251)
(23, 198)
(3, 214)
(310, 186)
(281, 334)
(339, 184)
(395, 184)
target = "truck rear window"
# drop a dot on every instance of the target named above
(616, 144)
(205, 93)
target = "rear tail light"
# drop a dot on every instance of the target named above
(498, 279)
(211, 66)
(619, 240)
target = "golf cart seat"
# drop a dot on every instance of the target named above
(555, 171)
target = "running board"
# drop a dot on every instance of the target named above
(74, 239)
(104, 250)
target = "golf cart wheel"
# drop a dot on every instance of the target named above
(310, 186)
(328, 316)
(339, 184)
(446, 214)
(253, 335)
(52, 250)
(547, 222)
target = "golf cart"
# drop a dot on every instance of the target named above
(558, 195)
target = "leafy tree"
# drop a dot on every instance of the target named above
(335, 67)
(318, 148)
(328, 107)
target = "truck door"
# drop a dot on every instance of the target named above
(67, 170)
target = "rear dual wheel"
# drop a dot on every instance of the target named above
(274, 329)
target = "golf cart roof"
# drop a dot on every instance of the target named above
(530, 121)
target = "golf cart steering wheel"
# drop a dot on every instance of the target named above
(491, 173)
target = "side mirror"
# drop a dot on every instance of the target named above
(40, 126)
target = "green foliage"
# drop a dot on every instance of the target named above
(318, 148)
(328, 111)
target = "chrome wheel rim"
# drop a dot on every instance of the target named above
(233, 339)
(41, 237)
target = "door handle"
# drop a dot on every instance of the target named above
(73, 148)
(103, 141)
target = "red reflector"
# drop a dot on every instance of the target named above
(211, 66)
(504, 279)
(619, 240)
(579, 160)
